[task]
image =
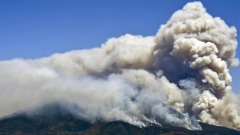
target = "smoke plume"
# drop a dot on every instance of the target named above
(183, 69)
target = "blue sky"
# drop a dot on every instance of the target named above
(39, 28)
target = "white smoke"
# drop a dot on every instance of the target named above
(137, 79)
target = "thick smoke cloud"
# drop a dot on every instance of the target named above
(140, 80)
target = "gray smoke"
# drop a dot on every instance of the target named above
(137, 79)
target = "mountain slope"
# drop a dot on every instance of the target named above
(68, 124)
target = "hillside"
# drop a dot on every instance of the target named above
(62, 123)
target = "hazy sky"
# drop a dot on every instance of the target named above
(39, 28)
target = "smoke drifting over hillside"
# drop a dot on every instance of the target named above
(137, 79)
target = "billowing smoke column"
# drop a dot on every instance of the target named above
(177, 77)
